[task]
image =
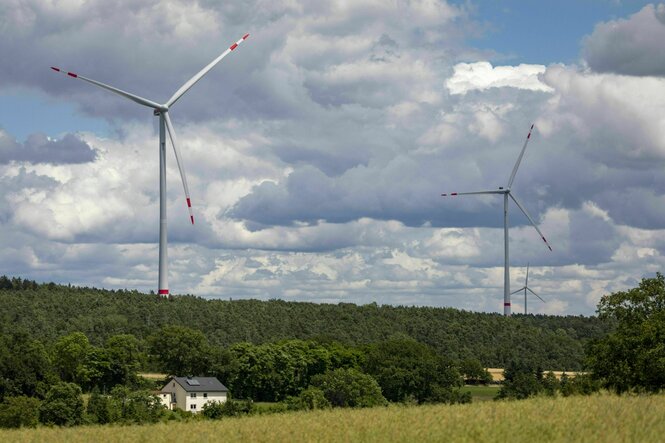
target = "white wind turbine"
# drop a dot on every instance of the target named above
(162, 111)
(527, 288)
(507, 193)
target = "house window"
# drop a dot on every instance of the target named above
(193, 406)
(174, 384)
(205, 395)
(193, 395)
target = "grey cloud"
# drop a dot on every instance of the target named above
(39, 148)
(632, 46)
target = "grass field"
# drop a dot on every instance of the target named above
(600, 418)
(482, 393)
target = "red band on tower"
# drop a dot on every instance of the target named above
(163, 292)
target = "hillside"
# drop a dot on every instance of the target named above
(48, 311)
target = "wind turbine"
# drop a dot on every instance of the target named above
(162, 111)
(508, 193)
(527, 288)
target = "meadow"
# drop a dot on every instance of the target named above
(598, 418)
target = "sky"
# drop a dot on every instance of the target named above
(316, 153)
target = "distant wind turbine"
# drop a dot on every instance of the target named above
(162, 111)
(527, 288)
(507, 193)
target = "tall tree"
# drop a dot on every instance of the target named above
(632, 357)
(181, 350)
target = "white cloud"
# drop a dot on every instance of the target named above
(482, 75)
(317, 155)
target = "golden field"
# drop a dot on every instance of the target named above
(600, 418)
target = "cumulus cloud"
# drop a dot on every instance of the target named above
(39, 148)
(317, 153)
(632, 46)
(482, 75)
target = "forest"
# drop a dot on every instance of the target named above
(46, 312)
(59, 342)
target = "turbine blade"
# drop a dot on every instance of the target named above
(526, 284)
(519, 290)
(452, 194)
(519, 159)
(533, 223)
(192, 81)
(529, 289)
(181, 166)
(133, 97)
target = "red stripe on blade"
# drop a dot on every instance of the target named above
(71, 74)
(189, 203)
(531, 128)
(163, 292)
(244, 37)
(55, 69)
(453, 193)
(528, 136)
(192, 218)
(233, 46)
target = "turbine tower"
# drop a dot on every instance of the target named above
(527, 288)
(165, 125)
(506, 192)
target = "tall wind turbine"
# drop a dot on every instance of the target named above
(162, 111)
(527, 288)
(508, 193)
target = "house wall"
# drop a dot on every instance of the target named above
(184, 399)
(200, 400)
(175, 391)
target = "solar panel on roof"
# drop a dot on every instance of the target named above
(193, 382)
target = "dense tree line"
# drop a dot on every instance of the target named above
(49, 311)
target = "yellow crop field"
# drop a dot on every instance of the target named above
(497, 373)
(600, 418)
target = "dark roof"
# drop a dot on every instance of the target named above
(200, 384)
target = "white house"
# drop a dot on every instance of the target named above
(191, 393)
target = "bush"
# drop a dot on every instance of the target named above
(230, 408)
(309, 399)
(63, 405)
(22, 411)
(349, 387)
(137, 406)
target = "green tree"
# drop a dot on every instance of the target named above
(407, 369)
(349, 387)
(550, 384)
(125, 359)
(21, 411)
(101, 408)
(63, 405)
(632, 357)
(181, 350)
(474, 372)
(25, 366)
(77, 361)
(520, 381)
